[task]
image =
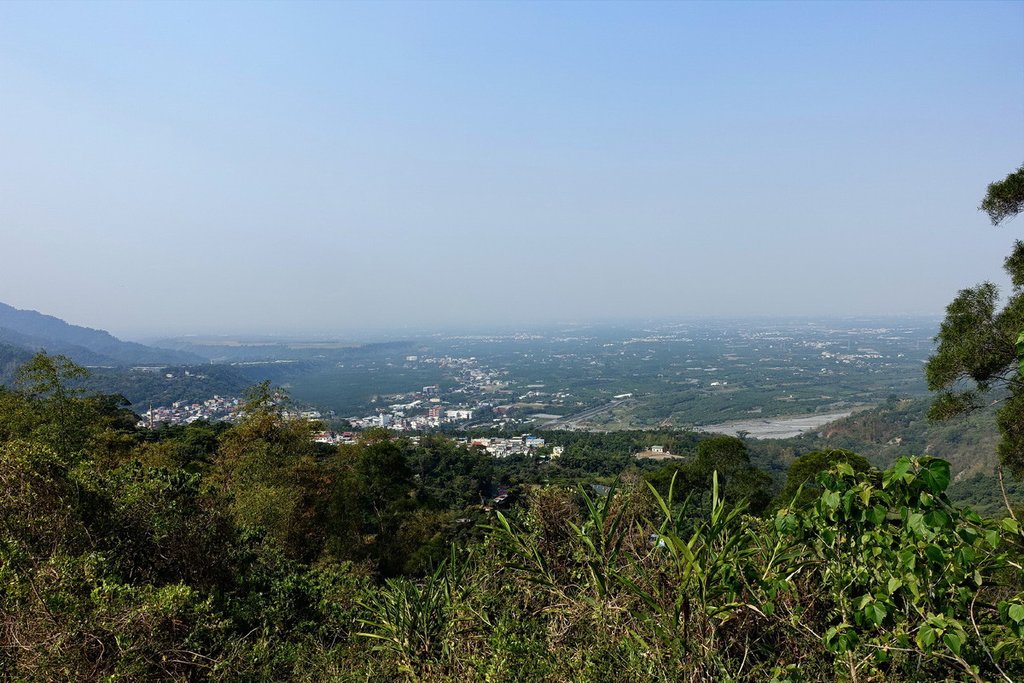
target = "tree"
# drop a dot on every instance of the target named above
(805, 470)
(267, 469)
(1004, 198)
(977, 342)
(49, 383)
(725, 457)
(370, 501)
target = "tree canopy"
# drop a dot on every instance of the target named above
(977, 349)
(1005, 198)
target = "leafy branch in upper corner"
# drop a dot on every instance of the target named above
(979, 344)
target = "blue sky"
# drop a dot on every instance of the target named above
(300, 167)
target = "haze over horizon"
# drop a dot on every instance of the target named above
(315, 168)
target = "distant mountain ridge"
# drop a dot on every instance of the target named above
(34, 331)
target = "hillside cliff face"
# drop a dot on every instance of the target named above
(33, 331)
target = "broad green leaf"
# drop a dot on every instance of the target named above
(900, 470)
(865, 495)
(937, 519)
(908, 559)
(953, 642)
(935, 475)
(915, 522)
(926, 637)
(876, 515)
(876, 613)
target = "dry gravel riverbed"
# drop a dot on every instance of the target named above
(775, 427)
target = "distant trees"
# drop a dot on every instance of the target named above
(977, 342)
(804, 471)
(726, 456)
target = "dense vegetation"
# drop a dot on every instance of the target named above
(884, 433)
(247, 552)
(162, 386)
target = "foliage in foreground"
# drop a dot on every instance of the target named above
(246, 555)
(877, 578)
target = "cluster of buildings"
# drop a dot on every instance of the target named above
(182, 412)
(856, 358)
(524, 444)
(334, 438)
(425, 409)
(399, 417)
(517, 445)
(478, 396)
(218, 408)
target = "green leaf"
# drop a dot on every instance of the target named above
(848, 503)
(900, 470)
(1020, 352)
(865, 496)
(926, 637)
(908, 559)
(876, 613)
(935, 475)
(894, 585)
(832, 643)
(937, 519)
(876, 515)
(1016, 612)
(915, 522)
(935, 554)
(953, 642)
(1010, 524)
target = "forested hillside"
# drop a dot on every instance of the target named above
(11, 358)
(35, 331)
(883, 434)
(165, 385)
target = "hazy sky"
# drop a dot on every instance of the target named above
(300, 167)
